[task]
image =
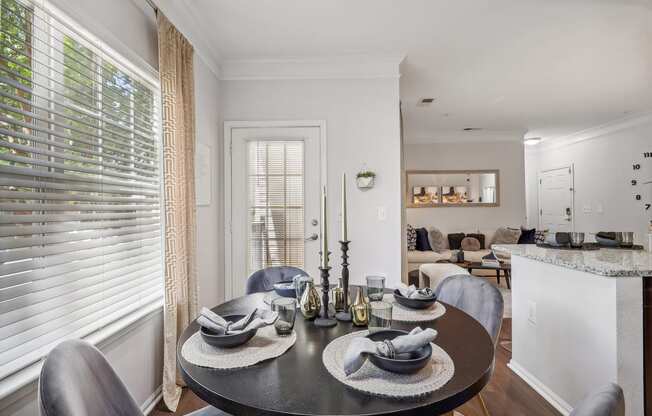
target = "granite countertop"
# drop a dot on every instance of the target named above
(604, 262)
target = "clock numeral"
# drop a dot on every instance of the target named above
(636, 166)
(638, 197)
(647, 154)
(647, 207)
(634, 182)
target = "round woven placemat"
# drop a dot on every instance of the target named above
(372, 380)
(264, 345)
(403, 314)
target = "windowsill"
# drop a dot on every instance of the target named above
(25, 379)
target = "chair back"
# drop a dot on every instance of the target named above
(607, 401)
(76, 380)
(476, 297)
(264, 280)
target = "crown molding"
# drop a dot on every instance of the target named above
(594, 132)
(334, 67)
(181, 15)
(458, 136)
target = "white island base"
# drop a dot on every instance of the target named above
(574, 331)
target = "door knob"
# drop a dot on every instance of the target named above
(312, 237)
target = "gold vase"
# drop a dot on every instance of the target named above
(310, 304)
(360, 310)
(337, 294)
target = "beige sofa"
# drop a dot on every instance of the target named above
(417, 258)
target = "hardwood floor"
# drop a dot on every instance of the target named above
(506, 394)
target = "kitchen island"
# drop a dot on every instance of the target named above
(578, 322)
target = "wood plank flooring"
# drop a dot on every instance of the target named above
(506, 394)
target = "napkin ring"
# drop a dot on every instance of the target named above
(391, 351)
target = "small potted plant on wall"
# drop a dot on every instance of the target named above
(365, 179)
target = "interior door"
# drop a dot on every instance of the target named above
(275, 183)
(556, 200)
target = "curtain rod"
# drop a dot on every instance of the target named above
(152, 5)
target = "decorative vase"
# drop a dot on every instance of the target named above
(360, 310)
(310, 303)
(338, 299)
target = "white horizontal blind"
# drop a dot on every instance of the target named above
(275, 203)
(80, 211)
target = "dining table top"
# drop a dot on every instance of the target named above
(297, 383)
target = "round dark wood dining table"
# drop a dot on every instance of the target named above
(297, 383)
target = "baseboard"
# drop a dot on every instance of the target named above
(152, 401)
(543, 390)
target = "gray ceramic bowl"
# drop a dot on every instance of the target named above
(406, 363)
(285, 289)
(227, 341)
(413, 303)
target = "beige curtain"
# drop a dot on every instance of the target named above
(178, 97)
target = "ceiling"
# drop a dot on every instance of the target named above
(511, 67)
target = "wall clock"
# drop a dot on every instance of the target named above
(642, 181)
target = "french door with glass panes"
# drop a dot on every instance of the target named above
(275, 182)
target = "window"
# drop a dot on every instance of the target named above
(276, 209)
(80, 211)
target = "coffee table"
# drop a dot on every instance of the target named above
(505, 267)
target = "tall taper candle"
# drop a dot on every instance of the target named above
(344, 224)
(323, 231)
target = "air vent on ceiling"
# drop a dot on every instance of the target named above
(472, 128)
(424, 102)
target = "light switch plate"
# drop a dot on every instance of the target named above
(382, 216)
(532, 312)
(587, 208)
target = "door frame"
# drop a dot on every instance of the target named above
(229, 127)
(571, 172)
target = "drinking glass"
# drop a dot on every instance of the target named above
(380, 316)
(287, 312)
(375, 287)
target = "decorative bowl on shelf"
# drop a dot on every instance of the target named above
(414, 303)
(228, 340)
(405, 363)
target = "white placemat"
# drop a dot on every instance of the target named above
(372, 380)
(264, 345)
(403, 314)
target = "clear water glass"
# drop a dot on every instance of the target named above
(380, 316)
(287, 313)
(375, 287)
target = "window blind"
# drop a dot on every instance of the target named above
(80, 209)
(276, 203)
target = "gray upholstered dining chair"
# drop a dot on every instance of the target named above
(478, 298)
(76, 380)
(263, 280)
(606, 401)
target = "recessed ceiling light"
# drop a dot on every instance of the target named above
(531, 141)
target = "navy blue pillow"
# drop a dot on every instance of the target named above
(422, 240)
(528, 236)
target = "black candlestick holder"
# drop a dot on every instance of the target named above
(324, 321)
(345, 315)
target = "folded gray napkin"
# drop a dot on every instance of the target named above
(360, 347)
(254, 320)
(413, 293)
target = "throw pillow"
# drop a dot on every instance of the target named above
(506, 235)
(540, 236)
(480, 238)
(455, 240)
(422, 240)
(527, 236)
(437, 240)
(470, 244)
(411, 238)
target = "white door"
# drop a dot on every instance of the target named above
(556, 200)
(275, 183)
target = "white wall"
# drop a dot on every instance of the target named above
(362, 127)
(137, 354)
(506, 156)
(602, 160)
